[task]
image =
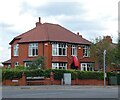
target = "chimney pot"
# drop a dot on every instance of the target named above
(38, 23)
(77, 33)
(39, 20)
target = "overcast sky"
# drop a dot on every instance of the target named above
(92, 18)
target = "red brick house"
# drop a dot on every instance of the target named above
(61, 48)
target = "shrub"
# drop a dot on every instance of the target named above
(20, 68)
(90, 75)
(34, 73)
(11, 74)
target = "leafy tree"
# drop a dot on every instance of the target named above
(97, 50)
(38, 63)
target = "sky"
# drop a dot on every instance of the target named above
(91, 18)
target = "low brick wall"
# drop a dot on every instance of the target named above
(83, 82)
(50, 81)
(91, 82)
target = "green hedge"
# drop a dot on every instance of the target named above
(34, 73)
(58, 74)
(10, 74)
(90, 75)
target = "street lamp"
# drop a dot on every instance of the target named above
(104, 56)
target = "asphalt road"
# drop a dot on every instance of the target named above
(57, 91)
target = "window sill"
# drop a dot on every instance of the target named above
(59, 55)
(74, 55)
(86, 56)
(15, 55)
(33, 56)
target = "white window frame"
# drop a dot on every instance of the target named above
(74, 50)
(59, 65)
(16, 64)
(56, 49)
(15, 49)
(33, 46)
(86, 51)
(87, 67)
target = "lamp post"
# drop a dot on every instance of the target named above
(104, 56)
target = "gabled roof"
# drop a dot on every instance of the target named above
(50, 32)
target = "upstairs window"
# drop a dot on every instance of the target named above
(86, 51)
(33, 49)
(16, 47)
(74, 50)
(59, 49)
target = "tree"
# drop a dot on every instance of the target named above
(97, 50)
(38, 63)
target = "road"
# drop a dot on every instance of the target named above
(57, 91)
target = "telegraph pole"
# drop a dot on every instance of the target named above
(104, 56)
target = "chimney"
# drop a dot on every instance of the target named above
(38, 23)
(108, 39)
(79, 34)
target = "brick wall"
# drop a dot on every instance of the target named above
(50, 81)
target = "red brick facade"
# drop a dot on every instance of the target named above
(23, 54)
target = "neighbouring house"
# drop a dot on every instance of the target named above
(61, 48)
(108, 40)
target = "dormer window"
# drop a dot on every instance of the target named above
(16, 47)
(33, 49)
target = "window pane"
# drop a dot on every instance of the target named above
(15, 49)
(60, 51)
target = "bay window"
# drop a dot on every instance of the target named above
(59, 49)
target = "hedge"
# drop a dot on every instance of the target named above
(58, 74)
(11, 74)
(90, 75)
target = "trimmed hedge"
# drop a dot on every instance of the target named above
(11, 74)
(90, 75)
(34, 73)
(58, 74)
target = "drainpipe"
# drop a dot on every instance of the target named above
(43, 49)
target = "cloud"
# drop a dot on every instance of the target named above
(53, 9)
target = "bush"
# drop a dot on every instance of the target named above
(20, 67)
(34, 73)
(11, 74)
(90, 75)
